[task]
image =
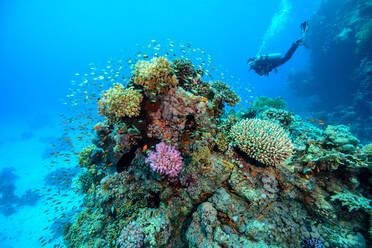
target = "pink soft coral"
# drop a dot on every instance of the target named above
(166, 160)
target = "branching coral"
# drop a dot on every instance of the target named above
(185, 72)
(283, 117)
(223, 93)
(131, 236)
(118, 102)
(202, 155)
(166, 160)
(222, 141)
(86, 156)
(155, 76)
(262, 140)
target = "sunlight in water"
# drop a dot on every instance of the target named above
(277, 23)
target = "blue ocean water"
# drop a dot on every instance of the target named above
(44, 44)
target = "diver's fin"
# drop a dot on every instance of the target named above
(304, 28)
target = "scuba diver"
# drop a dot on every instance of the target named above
(263, 64)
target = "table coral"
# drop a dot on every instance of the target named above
(262, 140)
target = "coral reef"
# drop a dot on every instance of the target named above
(257, 177)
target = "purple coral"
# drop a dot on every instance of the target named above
(313, 243)
(131, 236)
(166, 160)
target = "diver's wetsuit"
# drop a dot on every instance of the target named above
(289, 53)
(264, 64)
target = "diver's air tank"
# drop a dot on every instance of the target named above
(271, 56)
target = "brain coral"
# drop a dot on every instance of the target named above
(262, 140)
(155, 76)
(118, 102)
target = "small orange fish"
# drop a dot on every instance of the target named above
(332, 222)
(144, 148)
(225, 163)
(204, 99)
(259, 217)
(200, 240)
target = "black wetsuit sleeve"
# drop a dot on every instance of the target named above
(289, 53)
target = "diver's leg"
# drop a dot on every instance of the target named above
(290, 52)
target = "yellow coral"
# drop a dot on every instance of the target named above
(155, 76)
(222, 141)
(201, 155)
(118, 102)
(85, 156)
